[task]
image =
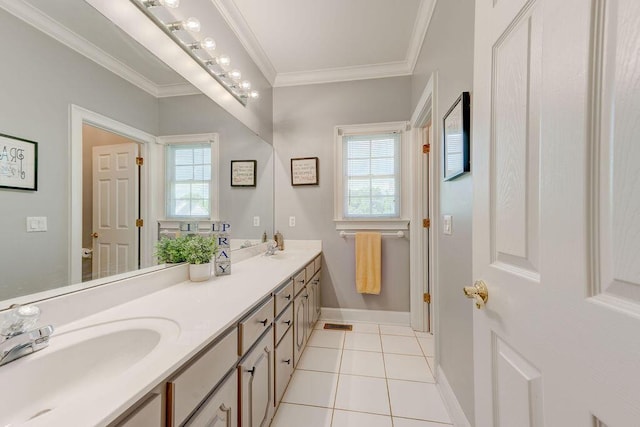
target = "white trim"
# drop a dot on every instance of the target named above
(374, 316)
(77, 117)
(232, 15)
(372, 224)
(458, 417)
(196, 138)
(423, 20)
(426, 108)
(343, 74)
(42, 22)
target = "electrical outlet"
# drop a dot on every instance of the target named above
(292, 221)
(256, 221)
(446, 224)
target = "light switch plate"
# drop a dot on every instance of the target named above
(447, 224)
(256, 221)
(292, 221)
(36, 223)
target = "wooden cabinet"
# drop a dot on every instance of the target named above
(311, 308)
(314, 304)
(300, 324)
(283, 364)
(298, 282)
(221, 408)
(256, 384)
(283, 297)
(254, 325)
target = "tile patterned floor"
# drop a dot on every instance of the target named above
(373, 376)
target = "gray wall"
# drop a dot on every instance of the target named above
(39, 79)
(198, 114)
(304, 120)
(448, 49)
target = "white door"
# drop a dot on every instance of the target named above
(115, 209)
(556, 232)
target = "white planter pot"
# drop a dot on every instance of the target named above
(199, 272)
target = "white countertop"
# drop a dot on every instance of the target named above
(200, 311)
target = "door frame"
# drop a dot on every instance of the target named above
(78, 117)
(425, 111)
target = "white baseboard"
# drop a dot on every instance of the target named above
(374, 316)
(455, 410)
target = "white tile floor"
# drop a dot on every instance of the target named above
(374, 376)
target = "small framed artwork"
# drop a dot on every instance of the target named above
(456, 126)
(243, 173)
(18, 163)
(304, 171)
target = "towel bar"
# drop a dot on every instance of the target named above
(399, 234)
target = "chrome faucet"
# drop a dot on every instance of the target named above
(272, 247)
(19, 337)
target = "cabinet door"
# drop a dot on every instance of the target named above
(311, 308)
(318, 304)
(284, 364)
(221, 409)
(256, 384)
(299, 325)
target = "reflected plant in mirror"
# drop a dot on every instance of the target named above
(102, 117)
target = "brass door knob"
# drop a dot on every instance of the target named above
(478, 292)
(94, 235)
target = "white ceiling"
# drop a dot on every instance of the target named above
(311, 41)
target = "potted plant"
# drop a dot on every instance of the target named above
(198, 251)
(171, 251)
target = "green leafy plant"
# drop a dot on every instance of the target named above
(171, 250)
(200, 249)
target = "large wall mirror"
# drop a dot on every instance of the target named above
(94, 113)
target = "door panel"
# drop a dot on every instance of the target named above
(257, 384)
(556, 228)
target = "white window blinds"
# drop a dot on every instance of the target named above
(188, 180)
(371, 175)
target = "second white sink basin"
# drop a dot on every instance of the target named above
(75, 362)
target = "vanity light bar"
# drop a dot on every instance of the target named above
(228, 79)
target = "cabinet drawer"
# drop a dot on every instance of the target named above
(309, 271)
(283, 323)
(317, 263)
(298, 282)
(254, 325)
(148, 414)
(221, 409)
(284, 364)
(283, 297)
(191, 386)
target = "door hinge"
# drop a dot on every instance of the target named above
(426, 148)
(426, 223)
(139, 161)
(139, 222)
(427, 298)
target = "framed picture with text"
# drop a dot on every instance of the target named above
(304, 171)
(243, 173)
(456, 128)
(18, 163)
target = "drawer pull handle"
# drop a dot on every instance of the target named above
(306, 296)
(251, 371)
(264, 322)
(288, 322)
(288, 361)
(288, 297)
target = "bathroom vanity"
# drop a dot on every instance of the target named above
(216, 353)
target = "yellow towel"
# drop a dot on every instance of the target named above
(368, 263)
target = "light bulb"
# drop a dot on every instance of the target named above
(223, 60)
(235, 74)
(208, 43)
(254, 94)
(245, 85)
(170, 3)
(191, 24)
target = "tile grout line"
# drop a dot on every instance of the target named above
(333, 410)
(386, 381)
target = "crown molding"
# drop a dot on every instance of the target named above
(42, 22)
(423, 20)
(343, 74)
(234, 18)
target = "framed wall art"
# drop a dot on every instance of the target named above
(243, 173)
(456, 127)
(18, 163)
(304, 171)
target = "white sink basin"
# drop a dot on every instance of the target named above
(75, 363)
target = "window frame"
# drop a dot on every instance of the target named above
(214, 187)
(343, 222)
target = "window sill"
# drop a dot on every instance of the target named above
(372, 224)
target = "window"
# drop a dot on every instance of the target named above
(369, 176)
(371, 173)
(191, 178)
